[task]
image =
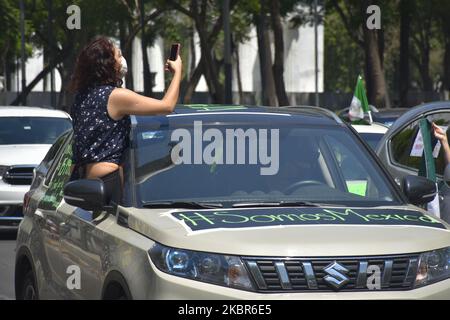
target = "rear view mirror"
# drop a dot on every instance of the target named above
(88, 194)
(447, 175)
(419, 190)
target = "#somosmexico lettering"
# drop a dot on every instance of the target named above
(264, 217)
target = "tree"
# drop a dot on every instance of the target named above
(269, 96)
(441, 12)
(137, 18)
(405, 30)
(278, 65)
(204, 15)
(10, 39)
(96, 19)
(353, 15)
(424, 27)
(374, 64)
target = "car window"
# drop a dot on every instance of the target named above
(32, 130)
(403, 142)
(372, 139)
(441, 119)
(51, 154)
(314, 164)
(57, 177)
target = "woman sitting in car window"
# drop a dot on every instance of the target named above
(442, 137)
(102, 108)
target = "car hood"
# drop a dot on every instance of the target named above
(23, 154)
(307, 232)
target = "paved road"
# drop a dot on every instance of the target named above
(7, 256)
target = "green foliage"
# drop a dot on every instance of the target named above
(344, 59)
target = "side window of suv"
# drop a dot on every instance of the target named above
(441, 119)
(403, 142)
(51, 154)
(401, 146)
(57, 177)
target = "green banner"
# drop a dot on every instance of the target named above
(427, 167)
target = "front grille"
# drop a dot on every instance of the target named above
(19, 175)
(11, 211)
(333, 274)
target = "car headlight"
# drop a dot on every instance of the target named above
(207, 267)
(433, 266)
(3, 170)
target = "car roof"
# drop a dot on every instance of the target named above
(370, 128)
(19, 111)
(239, 113)
(392, 112)
(417, 111)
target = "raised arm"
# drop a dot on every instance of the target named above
(442, 136)
(126, 102)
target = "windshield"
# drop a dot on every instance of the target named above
(372, 139)
(32, 130)
(257, 163)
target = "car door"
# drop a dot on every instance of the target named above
(403, 160)
(43, 204)
(82, 250)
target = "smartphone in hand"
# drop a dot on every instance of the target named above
(174, 51)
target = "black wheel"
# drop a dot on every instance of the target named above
(29, 288)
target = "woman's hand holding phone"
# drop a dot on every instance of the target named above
(174, 63)
(174, 66)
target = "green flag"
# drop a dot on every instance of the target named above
(428, 166)
(359, 103)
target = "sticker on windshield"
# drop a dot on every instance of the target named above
(250, 218)
(153, 135)
(209, 107)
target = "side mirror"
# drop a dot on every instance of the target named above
(419, 190)
(447, 175)
(88, 194)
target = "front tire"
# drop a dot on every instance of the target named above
(29, 288)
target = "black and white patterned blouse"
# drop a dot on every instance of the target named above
(97, 137)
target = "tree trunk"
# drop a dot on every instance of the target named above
(238, 74)
(425, 70)
(193, 55)
(380, 37)
(446, 80)
(24, 93)
(405, 28)
(210, 70)
(126, 47)
(66, 70)
(269, 97)
(376, 83)
(148, 83)
(278, 65)
(193, 81)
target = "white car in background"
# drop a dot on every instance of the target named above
(26, 135)
(371, 133)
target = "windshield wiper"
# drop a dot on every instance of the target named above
(181, 204)
(281, 204)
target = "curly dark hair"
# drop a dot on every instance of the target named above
(96, 65)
